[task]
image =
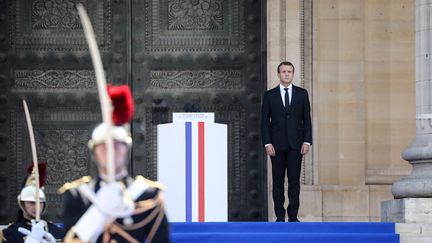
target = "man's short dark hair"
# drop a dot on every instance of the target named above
(286, 63)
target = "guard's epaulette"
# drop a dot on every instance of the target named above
(73, 184)
(2, 238)
(151, 183)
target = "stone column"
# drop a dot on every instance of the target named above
(413, 194)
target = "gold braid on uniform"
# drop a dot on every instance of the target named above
(142, 206)
(115, 229)
(71, 237)
(156, 224)
(2, 238)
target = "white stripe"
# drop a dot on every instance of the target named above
(171, 168)
(216, 181)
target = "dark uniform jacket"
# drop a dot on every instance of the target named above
(11, 233)
(148, 221)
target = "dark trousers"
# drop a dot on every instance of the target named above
(286, 162)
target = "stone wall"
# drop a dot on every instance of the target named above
(357, 60)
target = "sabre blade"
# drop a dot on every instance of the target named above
(34, 157)
(105, 101)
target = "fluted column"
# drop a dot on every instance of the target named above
(419, 154)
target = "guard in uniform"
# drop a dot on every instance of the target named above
(127, 210)
(26, 228)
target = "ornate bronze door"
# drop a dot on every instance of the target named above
(177, 55)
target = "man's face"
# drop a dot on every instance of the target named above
(120, 156)
(30, 209)
(286, 75)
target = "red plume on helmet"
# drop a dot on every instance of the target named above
(42, 173)
(123, 104)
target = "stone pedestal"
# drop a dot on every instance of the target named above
(413, 217)
(407, 210)
(414, 233)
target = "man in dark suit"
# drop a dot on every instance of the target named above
(287, 135)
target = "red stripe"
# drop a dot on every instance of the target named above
(201, 179)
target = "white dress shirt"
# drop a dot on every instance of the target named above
(282, 91)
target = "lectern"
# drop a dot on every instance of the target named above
(192, 164)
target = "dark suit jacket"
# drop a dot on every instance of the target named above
(286, 127)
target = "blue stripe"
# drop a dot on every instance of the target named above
(188, 169)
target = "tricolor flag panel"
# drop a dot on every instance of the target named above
(192, 163)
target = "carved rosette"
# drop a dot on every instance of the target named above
(54, 15)
(193, 25)
(66, 153)
(195, 15)
(53, 25)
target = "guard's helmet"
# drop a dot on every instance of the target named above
(119, 133)
(28, 194)
(29, 189)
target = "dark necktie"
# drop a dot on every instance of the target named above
(286, 98)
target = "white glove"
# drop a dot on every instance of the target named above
(49, 238)
(37, 233)
(109, 198)
(109, 204)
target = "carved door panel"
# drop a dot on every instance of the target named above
(204, 56)
(195, 55)
(45, 60)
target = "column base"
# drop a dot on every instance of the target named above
(407, 210)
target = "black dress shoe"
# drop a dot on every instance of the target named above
(293, 220)
(280, 220)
